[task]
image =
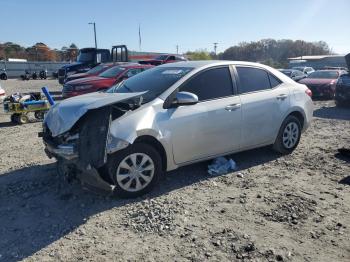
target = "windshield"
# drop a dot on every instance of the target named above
(112, 72)
(96, 69)
(324, 75)
(299, 68)
(155, 81)
(86, 57)
(161, 57)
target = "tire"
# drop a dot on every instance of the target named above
(3, 77)
(14, 118)
(39, 115)
(126, 187)
(288, 136)
(339, 103)
(23, 119)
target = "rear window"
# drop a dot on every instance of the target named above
(324, 75)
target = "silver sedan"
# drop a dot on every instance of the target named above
(174, 115)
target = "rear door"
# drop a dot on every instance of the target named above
(213, 125)
(265, 100)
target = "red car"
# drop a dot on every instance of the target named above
(92, 72)
(103, 81)
(322, 83)
(163, 59)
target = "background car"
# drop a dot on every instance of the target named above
(164, 59)
(103, 81)
(305, 69)
(92, 72)
(342, 90)
(177, 114)
(3, 74)
(322, 83)
(2, 94)
(296, 75)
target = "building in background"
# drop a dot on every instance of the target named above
(318, 61)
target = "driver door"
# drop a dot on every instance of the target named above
(213, 125)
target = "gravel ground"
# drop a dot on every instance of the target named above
(291, 208)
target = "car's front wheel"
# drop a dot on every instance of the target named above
(134, 170)
(289, 135)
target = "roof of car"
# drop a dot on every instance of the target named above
(288, 70)
(130, 65)
(202, 63)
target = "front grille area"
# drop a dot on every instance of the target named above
(47, 137)
(67, 88)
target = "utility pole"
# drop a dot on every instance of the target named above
(215, 47)
(177, 49)
(93, 23)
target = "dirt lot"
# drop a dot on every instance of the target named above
(292, 208)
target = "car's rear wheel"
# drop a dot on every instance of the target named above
(3, 77)
(135, 170)
(288, 136)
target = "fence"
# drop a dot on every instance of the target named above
(16, 69)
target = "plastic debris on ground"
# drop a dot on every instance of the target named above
(221, 166)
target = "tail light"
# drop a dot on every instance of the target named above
(308, 92)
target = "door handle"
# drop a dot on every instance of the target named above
(282, 96)
(232, 107)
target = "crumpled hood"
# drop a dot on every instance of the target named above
(63, 115)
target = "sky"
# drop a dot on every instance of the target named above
(190, 24)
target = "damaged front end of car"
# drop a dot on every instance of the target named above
(78, 135)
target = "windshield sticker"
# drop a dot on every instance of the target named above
(172, 72)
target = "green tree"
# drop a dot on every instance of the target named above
(198, 55)
(274, 52)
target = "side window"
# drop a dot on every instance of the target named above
(171, 58)
(210, 84)
(274, 81)
(252, 79)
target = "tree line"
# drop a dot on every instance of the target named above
(267, 51)
(38, 52)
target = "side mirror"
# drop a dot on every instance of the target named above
(185, 98)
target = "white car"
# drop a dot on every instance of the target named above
(305, 69)
(2, 94)
(174, 115)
